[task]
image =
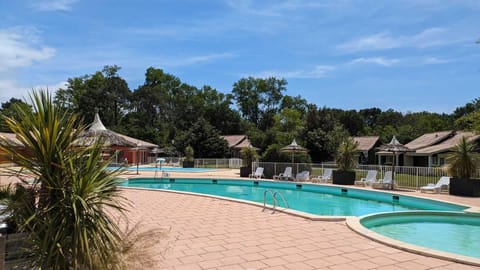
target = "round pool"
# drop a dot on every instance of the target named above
(448, 235)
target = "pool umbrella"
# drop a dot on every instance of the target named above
(293, 148)
(395, 147)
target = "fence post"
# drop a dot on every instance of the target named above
(418, 178)
(2, 251)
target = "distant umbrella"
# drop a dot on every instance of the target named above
(395, 147)
(293, 148)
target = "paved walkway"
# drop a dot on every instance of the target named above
(208, 233)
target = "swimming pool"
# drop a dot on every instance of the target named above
(452, 232)
(453, 236)
(320, 200)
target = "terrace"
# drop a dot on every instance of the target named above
(222, 234)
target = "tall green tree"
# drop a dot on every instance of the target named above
(8, 110)
(205, 140)
(218, 112)
(324, 133)
(105, 91)
(289, 124)
(259, 99)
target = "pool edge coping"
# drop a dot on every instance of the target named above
(354, 224)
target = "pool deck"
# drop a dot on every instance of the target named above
(210, 233)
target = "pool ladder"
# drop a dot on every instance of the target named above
(164, 174)
(275, 199)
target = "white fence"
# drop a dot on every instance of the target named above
(232, 163)
(405, 177)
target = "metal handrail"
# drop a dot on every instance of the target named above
(275, 202)
(282, 197)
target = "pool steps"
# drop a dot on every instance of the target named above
(275, 199)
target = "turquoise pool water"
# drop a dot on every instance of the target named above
(457, 233)
(314, 199)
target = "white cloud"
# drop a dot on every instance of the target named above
(435, 61)
(193, 60)
(375, 60)
(427, 38)
(54, 5)
(319, 71)
(11, 88)
(276, 8)
(18, 48)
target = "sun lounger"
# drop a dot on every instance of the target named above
(369, 179)
(257, 174)
(384, 183)
(285, 176)
(444, 181)
(325, 177)
(302, 176)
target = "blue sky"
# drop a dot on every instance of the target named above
(409, 55)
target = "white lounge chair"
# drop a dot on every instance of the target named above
(443, 181)
(257, 174)
(285, 176)
(369, 179)
(303, 176)
(384, 183)
(325, 177)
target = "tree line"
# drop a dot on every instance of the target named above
(173, 114)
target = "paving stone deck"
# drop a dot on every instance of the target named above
(209, 233)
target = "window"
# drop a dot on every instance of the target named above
(442, 161)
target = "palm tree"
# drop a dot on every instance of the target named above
(463, 160)
(68, 227)
(346, 157)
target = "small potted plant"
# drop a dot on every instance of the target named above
(248, 155)
(346, 159)
(188, 162)
(463, 162)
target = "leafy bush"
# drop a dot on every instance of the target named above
(248, 155)
(189, 153)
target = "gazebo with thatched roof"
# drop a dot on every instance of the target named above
(126, 149)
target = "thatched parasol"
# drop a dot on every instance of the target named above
(98, 131)
(395, 147)
(293, 148)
